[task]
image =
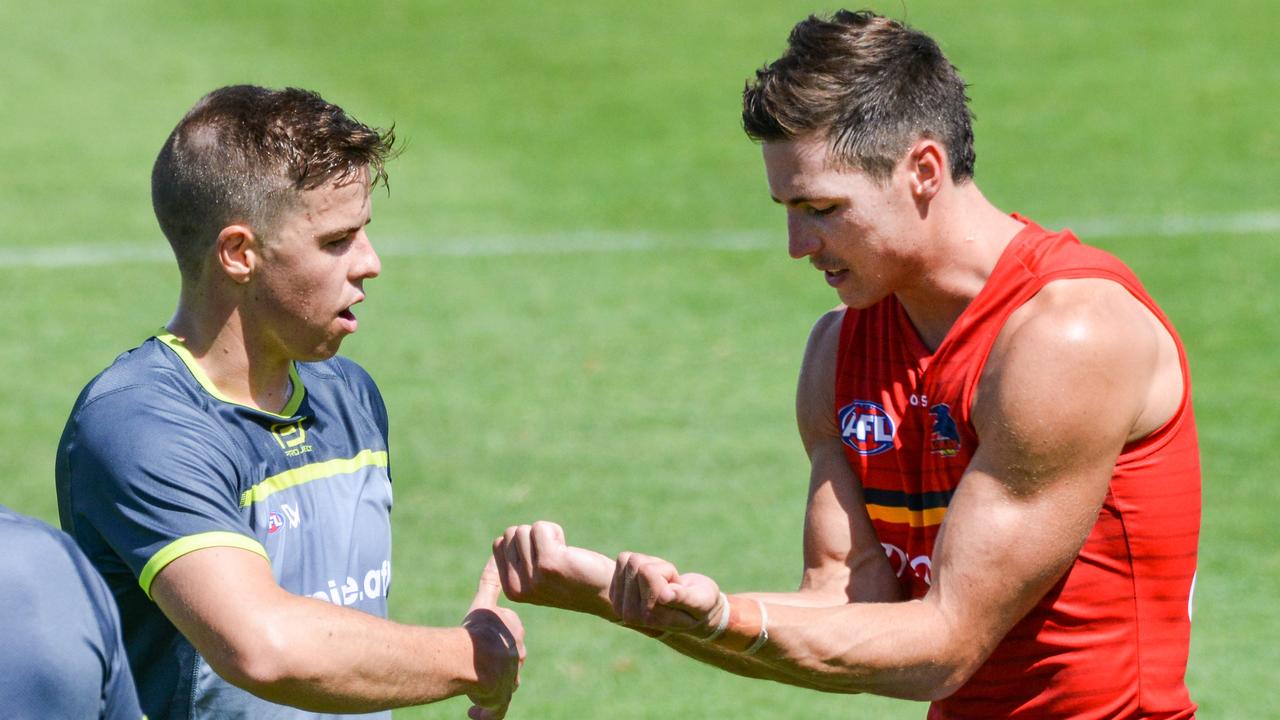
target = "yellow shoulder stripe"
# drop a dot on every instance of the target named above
(191, 543)
(314, 471)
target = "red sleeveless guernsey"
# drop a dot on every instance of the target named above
(1110, 639)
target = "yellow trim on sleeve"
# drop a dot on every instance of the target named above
(906, 516)
(191, 543)
(197, 372)
(308, 473)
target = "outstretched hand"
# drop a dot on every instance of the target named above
(650, 592)
(498, 638)
(535, 565)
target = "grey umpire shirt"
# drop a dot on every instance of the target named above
(61, 655)
(155, 463)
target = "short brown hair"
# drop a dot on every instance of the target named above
(872, 84)
(243, 153)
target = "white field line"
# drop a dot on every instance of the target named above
(1250, 223)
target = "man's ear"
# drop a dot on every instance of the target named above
(927, 168)
(237, 252)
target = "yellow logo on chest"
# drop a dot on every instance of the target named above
(291, 437)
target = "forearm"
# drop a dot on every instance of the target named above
(586, 587)
(899, 650)
(799, 598)
(755, 666)
(736, 663)
(324, 658)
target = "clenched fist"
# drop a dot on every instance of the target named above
(536, 566)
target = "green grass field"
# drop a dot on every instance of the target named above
(587, 313)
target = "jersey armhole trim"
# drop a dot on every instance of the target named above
(191, 543)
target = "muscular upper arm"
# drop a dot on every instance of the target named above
(843, 558)
(223, 600)
(1068, 383)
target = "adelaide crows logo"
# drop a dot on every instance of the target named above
(945, 438)
(866, 427)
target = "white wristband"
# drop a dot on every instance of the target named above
(724, 619)
(763, 637)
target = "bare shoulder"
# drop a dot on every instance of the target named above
(824, 337)
(815, 391)
(1081, 366)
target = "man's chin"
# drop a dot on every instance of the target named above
(321, 352)
(857, 301)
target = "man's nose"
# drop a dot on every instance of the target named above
(801, 241)
(369, 265)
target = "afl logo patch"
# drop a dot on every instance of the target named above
(274, 523)
(866, 427)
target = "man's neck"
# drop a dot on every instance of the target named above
(238, 363)
(968, 235)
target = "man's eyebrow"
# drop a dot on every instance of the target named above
(346, 230)
(800, 200)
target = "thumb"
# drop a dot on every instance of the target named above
(693, 593)
(676, 596)
(489, 589)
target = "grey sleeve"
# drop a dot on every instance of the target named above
(146, 472)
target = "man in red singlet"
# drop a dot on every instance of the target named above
(1004, 502)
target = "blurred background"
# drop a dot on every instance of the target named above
(587, 313)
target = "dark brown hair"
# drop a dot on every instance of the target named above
(871, 84)
(244, 153)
